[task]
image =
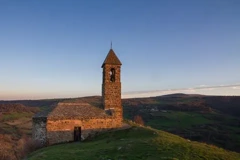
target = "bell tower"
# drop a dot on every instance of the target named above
(111, 86)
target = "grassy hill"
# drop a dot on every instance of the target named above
(210, 119)
(134, 143)
(15, 127)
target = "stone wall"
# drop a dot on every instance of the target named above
(111, 91)
(59, 131)
(39, 132)
(60, 124)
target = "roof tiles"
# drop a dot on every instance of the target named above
(111, 59)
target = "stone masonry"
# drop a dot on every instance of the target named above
(58, 124)
(111, 88)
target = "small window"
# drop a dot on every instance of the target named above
(112, 75)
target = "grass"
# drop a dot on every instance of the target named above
(16, 123)
(8, 129)
(175, 119)
(215, 128)
(134, 143)
(15, 115)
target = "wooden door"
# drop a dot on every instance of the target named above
(77, 134)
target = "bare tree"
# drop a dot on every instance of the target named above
(138, 119)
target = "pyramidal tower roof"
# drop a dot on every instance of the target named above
(111, 58)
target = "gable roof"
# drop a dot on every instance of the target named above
(111, 59)
(65, 110)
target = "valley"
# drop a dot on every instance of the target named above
(209, 119)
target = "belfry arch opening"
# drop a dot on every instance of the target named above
(112, 75)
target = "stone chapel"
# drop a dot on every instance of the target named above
(72, 120)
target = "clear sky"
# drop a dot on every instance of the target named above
(55, 48)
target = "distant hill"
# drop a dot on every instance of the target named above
(33, 103)
(225, 104)
(134, 144)
(192, 102)
(181, 95)
(16, 107)
(210, 119)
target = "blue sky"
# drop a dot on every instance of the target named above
(51, 49)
